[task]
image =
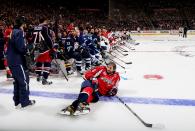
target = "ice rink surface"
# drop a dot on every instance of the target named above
(168, 98)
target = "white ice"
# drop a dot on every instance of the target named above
(154, 55)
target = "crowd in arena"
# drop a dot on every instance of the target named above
(63, 17)
(149, 16)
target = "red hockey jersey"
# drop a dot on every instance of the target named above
(45, 56)
(106, 82)
(7, 36)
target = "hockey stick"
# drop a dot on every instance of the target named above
(129, 47)
(159, 126)
(120, 59)
(117, 63)
(118, 53)
(121, 52)
(122, 49)
(58, 65)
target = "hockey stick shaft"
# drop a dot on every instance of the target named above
(122, 49)
(61, 69)
(120, 59)
(139, 118)
(121, 52)
(117, 63)
(58, 65)
(129, 47)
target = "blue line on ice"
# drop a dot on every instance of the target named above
(135, 100)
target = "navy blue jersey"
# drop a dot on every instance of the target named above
(63, 40)
(69, 45)
(42, 33)
(91, 45)
(81, 39)
(16, 49)
(95, 38)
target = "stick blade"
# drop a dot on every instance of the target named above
(158, 126)
(125, 51)
(128, 62)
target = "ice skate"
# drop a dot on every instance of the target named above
(45, 82)
(67, 111)
(31, 103)
(82, 109)
(39, 78)
(70, 72)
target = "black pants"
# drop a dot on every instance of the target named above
(185, 35)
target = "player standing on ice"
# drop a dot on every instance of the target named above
(43, 64)
(99, 81)
(16, 52)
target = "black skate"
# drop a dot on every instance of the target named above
(97, 63)
(19, 106)
(82, 109)
(39, 78)
(67, 111)
(31, 103)
(45, 82)
(70, 72)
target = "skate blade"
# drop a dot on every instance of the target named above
(64, 113)
(9, 79)
(80, 113)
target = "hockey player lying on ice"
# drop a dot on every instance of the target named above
(99, 81)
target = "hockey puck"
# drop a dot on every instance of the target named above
(153, 77)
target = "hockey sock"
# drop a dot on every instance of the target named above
(78, 65)
(88, 63)
(68, 67)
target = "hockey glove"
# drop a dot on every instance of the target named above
(52, 53)
(112, 92)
